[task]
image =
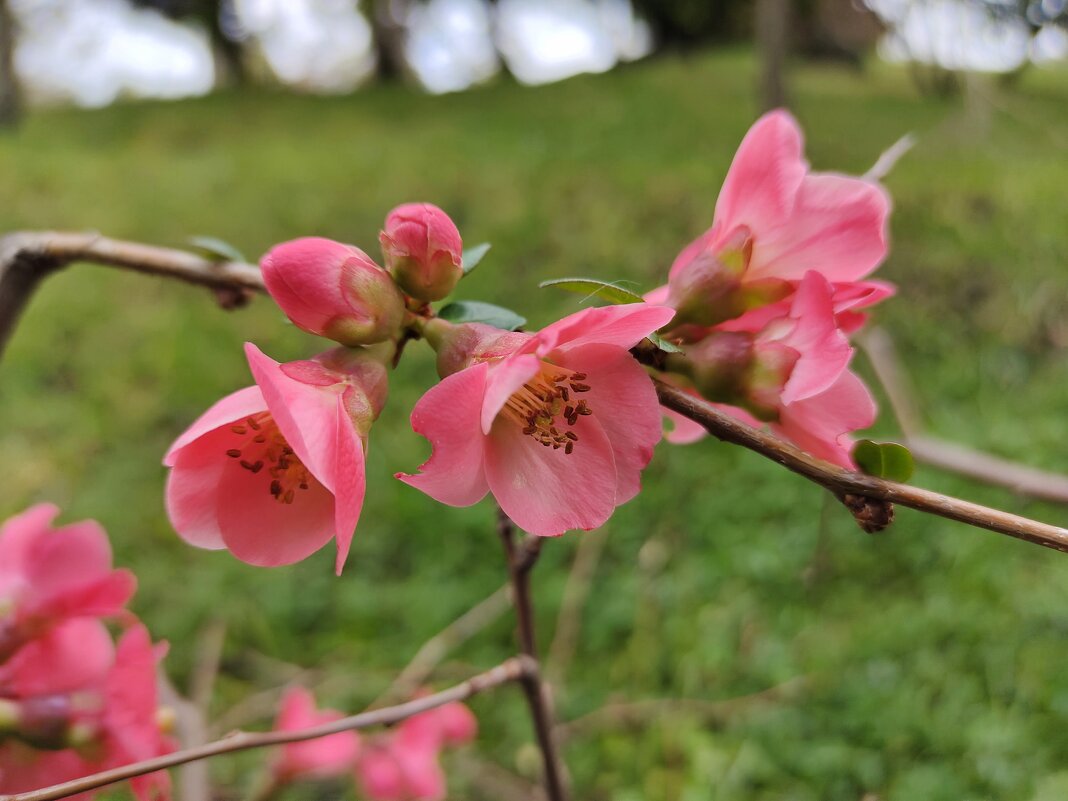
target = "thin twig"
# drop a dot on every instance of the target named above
(27, 258)
(889, 157)
(206, 669)
(569, 621)
(194, 779)
(846, 483)
(939, 453)
(430, 653)
(518, 668)
(537, 695)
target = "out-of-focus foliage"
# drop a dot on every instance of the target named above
(925, 663)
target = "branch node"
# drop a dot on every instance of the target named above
(873, 515)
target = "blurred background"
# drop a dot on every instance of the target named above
(581, 137)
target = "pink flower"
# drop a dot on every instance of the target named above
(792, 373)
(275, 471)
(774, 221)
(404, 765)
(49, 575)
(333, 290)
(558, 425)
(87, 706)
(423, 250)
(321, 758)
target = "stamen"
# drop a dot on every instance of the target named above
(541, 407)
(264, 446)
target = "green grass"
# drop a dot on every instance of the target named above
(934, 654)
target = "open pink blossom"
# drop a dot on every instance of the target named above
(793, 374)
(558, 425)
(321, 758)
(774, 221)
(275, 471)
(48, 575)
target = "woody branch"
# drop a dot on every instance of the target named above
(26, 258)
(518, 668)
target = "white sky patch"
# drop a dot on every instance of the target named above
(1049, 45)
(318, 45)
(955, 34)
(91, 52)
(449, 44)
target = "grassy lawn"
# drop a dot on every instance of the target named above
(930, 659)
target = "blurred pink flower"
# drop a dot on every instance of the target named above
(48, 575)
(558, 425)
(80, 705)
(275, 471)
(333, 290)
(774, 221)
(321, 758)
(405, 764)
(423, 250)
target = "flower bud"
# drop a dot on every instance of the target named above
(459, 345)
(718, 365)
(422, 250)
(333, 290)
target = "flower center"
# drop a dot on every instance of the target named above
(550, 394)
(258, 445)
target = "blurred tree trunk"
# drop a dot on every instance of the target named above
(10, 106)
(772, 27)
(387, 23)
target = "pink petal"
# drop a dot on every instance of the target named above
(19, 534)
(764, 178)
(380, 776)
(624, 326)
(821, 424)
(546, 491)
(683, 430)
(658, 296)
(74, 655)
(458, 723)
(699, 246)
(306, 414)
(423, 774)
(191, 491)
(320, 758)
(449, 415)
(263, 531)
(235, 406)
(837, 227)
(504, 379)
(624, 404)
(349, 482)
(824, 350)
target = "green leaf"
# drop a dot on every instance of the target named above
(216, 249)
(473, 255)
(475, 311)
(887, 460)
(592, 287)
(663, 344)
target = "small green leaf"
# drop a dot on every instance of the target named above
(475, 311)
(473, 255)
(887, 460)
(663, 344)
(592, 287)
(216, 249)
